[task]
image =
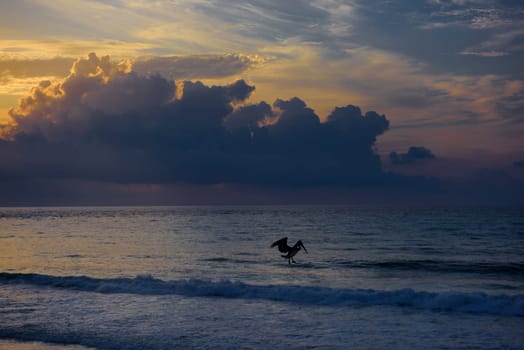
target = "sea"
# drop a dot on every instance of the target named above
(205, 277)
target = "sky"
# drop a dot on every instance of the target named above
(116, 102)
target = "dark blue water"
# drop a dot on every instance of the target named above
(205, 277)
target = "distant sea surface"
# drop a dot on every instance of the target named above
(206, 278)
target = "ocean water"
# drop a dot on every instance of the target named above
(206, 278)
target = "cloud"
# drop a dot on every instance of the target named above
(500, 44)
(466, 37)
(26, 68)
(107, 123)
(18, 75)
(106, 130)
(249, 117)
(54, 49)
(196, 66)
(519, 164)
(271, 20)
(413, 155)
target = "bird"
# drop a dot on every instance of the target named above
(291, 251)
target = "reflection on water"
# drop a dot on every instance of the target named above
(15, 345)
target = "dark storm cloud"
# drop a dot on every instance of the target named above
(249, 117)
(105, 124)
(413, 155)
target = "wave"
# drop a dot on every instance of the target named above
(309, 295)
(440, 266)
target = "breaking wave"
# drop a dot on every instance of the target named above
(310, 295)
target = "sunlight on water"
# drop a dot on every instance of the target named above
(15, 345)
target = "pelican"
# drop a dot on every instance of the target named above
(291, 251)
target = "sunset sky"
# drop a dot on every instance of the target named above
(329, 101)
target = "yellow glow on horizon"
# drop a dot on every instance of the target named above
(4, 115)
(6, 103)
(45, 49)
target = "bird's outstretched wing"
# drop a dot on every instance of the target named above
(282, 245)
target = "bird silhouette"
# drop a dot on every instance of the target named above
(291, 251)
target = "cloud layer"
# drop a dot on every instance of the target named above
(25, 68)
(196, 66)
(107, 123)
